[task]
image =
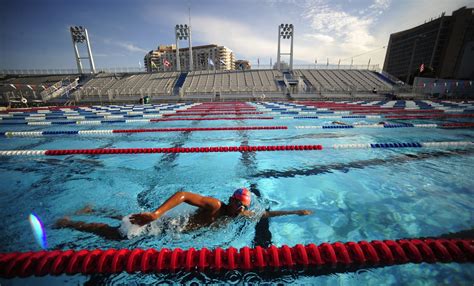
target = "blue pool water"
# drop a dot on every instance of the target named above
(355, 194)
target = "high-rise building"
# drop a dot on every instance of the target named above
(208, 57)
(445, 45)
(242, 65)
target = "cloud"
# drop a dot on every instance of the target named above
(320, 38)
(380, 4)
(131, 47)
(350, 30)
(126, 45)
(323, 28)
(238, 36)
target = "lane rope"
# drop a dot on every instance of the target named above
(105, 151)
(350, 254)
(120, 131)
(194, 129)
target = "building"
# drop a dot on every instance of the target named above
(242, 65)
(444, 46)
(206, 57)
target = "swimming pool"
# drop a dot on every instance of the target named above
(356, 194)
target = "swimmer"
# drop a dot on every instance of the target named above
(339, 123)
(209, 210)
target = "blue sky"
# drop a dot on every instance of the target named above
(34, 34)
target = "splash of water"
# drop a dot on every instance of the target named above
(38, 230)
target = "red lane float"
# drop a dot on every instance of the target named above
(183, 150)
(210, 113)
(185, 129)
(215, 110)
(211, 118)
(351, 254)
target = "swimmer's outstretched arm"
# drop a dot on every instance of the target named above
(196, 200)
(101, 229)
(268, 214)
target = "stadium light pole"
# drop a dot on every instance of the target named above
(285, 31)
(79, 35)
(183, 32)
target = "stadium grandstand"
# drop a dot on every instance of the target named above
(321, 84)
(130, 87)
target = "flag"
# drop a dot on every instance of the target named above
(270, 62)
(422, 68)
(258, 61)
(166, 63)
(222, 62)
(12, 85)
(153, 65)
(210, 62)
(139, 64)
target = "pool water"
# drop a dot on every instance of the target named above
(355, 194)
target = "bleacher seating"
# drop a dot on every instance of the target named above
(31, 87)
(247, 81)
(129, 85)
(344, 80)
(132, 86)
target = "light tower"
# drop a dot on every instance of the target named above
(183, 32)
(79, 35)
(285, 31)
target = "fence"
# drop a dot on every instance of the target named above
(143, 70)
(443, 87)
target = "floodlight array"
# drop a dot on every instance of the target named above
(78, 34)
(182, 31)
(286, 31)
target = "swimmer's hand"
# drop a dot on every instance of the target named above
(304, 212)
(143, 218)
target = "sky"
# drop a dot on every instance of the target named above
(35, 34)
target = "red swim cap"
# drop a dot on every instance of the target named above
(243, 195)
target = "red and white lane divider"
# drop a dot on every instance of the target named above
(106, 151)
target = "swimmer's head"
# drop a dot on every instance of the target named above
(240, 200)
